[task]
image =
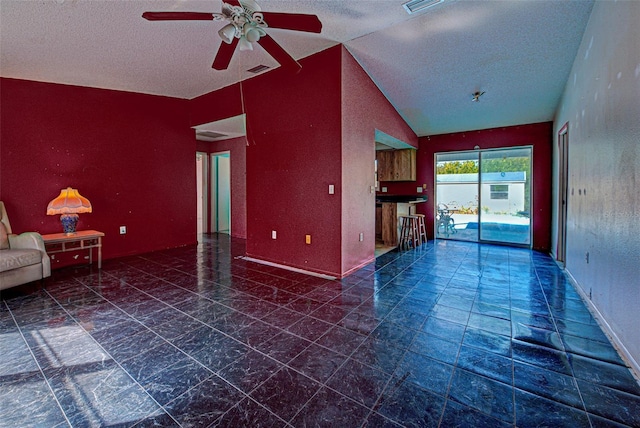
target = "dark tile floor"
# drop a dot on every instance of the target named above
(451, 334)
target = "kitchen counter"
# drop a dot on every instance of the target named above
(400, 198)
(391, 208)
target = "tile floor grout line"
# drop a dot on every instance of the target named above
(400, 276)
(213, 373)
(564, 350)
(35, 360)
(111, 356)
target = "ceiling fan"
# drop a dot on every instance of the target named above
(247, 24)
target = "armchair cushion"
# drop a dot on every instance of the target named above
(4, 237)
(15, 259)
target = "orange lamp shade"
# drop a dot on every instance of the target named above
(69, 202)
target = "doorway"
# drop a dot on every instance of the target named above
(484, 196)
(221, 192)
(563, 174)
(202, 190)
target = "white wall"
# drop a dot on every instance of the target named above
(601, 102)
(457, 195)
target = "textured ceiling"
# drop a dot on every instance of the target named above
(428, 64)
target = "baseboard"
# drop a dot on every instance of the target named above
(602, 322)
(293, 269)
(360, 266)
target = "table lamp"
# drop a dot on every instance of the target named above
(69, 204)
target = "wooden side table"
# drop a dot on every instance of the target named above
(81, 240)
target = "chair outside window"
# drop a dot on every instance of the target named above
(444, 220)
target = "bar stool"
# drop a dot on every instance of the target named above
(422, 229)
(409, 235)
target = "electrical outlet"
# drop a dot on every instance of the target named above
(384, 190)
(307, 239)
(274, 235)
(419, 189)
(123, 230)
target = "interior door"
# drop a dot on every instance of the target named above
(202, 189)
(563, 174)
(224, 194)
(221, 192)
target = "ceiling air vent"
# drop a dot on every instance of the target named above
(209, 135)
(415, 6)
(258, 68)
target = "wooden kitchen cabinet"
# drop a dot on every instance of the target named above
(396, 165)
(389, 223)
(404, 165)
(385, 165)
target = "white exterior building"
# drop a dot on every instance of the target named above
(502, 192)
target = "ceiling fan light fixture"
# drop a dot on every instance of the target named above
(415, 6)
(227, 33)
(251, 33)
(244, 44)
(475, 97)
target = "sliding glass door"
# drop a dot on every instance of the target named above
(457, 196)
(484, 196)
(505, 192)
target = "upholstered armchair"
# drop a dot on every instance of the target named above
(22, 257)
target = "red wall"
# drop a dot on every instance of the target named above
(304, 133)
(538, 135)
(237, 148)
(293, 154)
(364, 109)
(131, 155)
(217, 105)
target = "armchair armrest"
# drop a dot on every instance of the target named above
(27, 240)
(32, 240)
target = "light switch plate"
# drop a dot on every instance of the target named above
(332, 189)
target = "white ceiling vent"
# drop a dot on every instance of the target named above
(415, 6)
(210, 136)
(258, 68)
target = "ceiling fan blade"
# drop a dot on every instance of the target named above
(232, 2)
(279, 54)
(179, 16)
(224, 55)
(293, 21)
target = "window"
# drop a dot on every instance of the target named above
(499, 191)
